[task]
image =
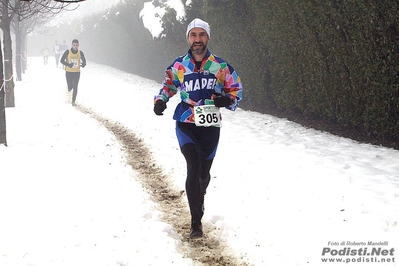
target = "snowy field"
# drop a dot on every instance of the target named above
(280, 194)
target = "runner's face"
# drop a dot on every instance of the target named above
(75, 46)
(198, 40)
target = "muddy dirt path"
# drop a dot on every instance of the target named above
(172, 202)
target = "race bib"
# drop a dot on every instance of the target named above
(207, 115)
(75, 63)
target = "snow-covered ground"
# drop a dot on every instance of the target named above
(280, 193)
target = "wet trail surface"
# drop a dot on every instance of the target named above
(207, 250)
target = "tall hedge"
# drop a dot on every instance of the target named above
(335, 61)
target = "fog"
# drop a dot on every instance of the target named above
(47, 35)
(114, 34)
(89, 7)
(151, 16)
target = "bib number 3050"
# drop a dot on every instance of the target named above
(207, 115)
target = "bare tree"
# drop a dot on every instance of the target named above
(43, 11)
(30, 19)
(20, 10)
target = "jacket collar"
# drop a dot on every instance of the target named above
(208, 53)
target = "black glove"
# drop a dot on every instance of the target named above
(222, 101)
(83, 65)
(159, 107)
(70, 64)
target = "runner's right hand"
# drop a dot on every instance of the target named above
(159, 107)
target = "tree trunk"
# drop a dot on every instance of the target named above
(3, 132)
(18, 50)
(24, 48)
(8, 67)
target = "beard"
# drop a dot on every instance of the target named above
(198, 47)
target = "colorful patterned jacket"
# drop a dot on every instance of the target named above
(215, 77)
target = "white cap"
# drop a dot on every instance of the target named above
(199, 23)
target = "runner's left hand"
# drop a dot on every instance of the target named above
(222, 101)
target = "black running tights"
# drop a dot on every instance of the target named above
(197, 181)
